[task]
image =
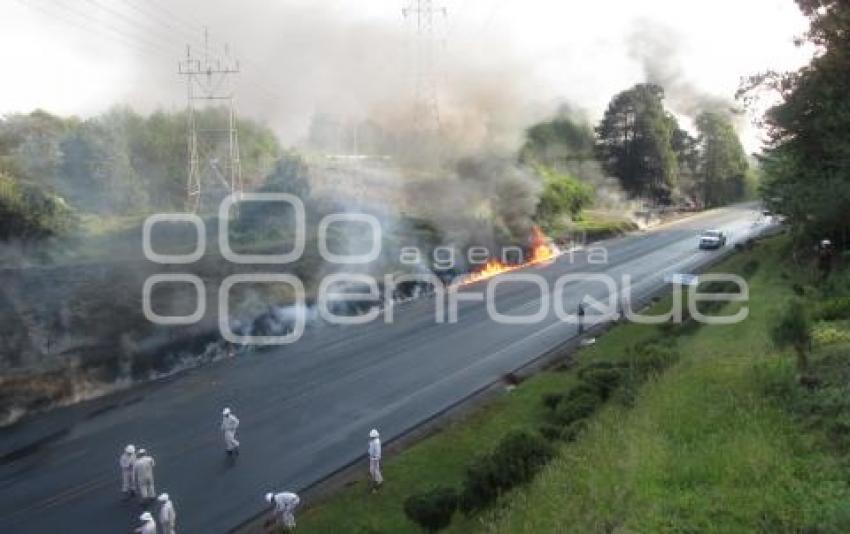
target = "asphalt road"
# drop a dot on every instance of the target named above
(306, 408)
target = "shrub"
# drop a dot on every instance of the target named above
(551, 400)
(572, 431)
(605, 381)
(750, 268)
(653, 358)
(791, 328)
(433, 509)
(28, 211)
(591, 367)
(581, 389)
(832, 309)
(516, 459)
(577, 407)
(550, 431)
(481, 485)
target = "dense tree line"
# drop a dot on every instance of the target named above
(807, 164)
(641, 144)
(119, 162)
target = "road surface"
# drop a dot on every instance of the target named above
(306, 408)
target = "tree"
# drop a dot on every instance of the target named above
(721, 162)
(806, 170)
(28, 211)
(634, 143)
(562, 196)
(270, 219)
(557, 143)
(687, 157)
(122, 162)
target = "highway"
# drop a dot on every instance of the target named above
(306, 408)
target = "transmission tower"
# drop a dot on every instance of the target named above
(424, 15)
(214, 167)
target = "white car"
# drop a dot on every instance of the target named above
(712, 239)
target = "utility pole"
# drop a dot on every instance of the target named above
(426, 111)
(213, 144)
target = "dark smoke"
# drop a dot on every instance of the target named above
(656, 47)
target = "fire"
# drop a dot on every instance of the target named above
(541, 251)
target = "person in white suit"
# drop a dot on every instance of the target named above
(148, 524)
(167, 515)
(375, 459)
(229, 424)
(127, 461)
(284, 506)
(143, 471)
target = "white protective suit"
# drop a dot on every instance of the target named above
(167, 517)
(285, 504)
(229, 425)
(128, 479)
(148, 527)
(375, 460)
(143, 470)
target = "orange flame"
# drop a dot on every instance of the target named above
(541, 251)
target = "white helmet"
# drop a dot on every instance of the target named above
(269, 496)
(146, 516)
(374, 433)
(226, 411)
(142, 452)
(130, 449)
(163, 497)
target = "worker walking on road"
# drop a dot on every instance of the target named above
(148, 524)
(229, 424)
(143, 471)
(284, 507)
(167, 515)
(375, 459)
(127, 463)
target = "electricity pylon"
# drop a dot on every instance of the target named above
(213, 145)
(425, 98)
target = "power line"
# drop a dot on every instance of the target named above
(83, 22)
(209, 80)
(425, 97)
(190, 33)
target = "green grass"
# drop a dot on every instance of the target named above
(599, 225)
(437, 460)
(703, 450)
(442, 458)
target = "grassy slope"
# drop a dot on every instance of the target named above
(437, 460)
(704, 449)
(442, 458)
(601, 224)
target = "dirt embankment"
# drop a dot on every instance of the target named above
(71, 333)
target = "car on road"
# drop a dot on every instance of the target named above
(711, 239)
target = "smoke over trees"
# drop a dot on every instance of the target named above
(641, 143)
